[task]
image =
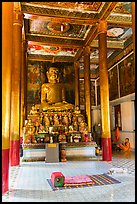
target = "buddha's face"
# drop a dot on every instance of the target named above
(53, 75)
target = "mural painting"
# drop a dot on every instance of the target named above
(127, 76)
(33, 83)
(113, 83)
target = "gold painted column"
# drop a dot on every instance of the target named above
(104, 92)
(15, 93)
(7, 32)
(76, 67)
(87, 85)
(23, 70)
(133, 27)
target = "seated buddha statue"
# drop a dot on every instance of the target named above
(77, 110)
(33, 111)
(29, 132)
(53, 93)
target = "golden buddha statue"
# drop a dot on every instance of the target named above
(77, 110)
(56, 120)
(33, 111)
(29, 132)
(53, 93)
(29, 128)
(83, 127)
(66, 120)
(46, 120)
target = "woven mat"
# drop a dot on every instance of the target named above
(94, 180)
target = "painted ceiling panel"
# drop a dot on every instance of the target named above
(123, 8)
(95, 53)
(118, 33)
(74, 6)
(58, 29)
(50, 50)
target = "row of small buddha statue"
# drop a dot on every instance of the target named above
(72, 123)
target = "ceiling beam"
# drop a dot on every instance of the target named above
(70, 20)
(61, 42)
(50, 58)
(110, 44)
(115, 23)
(108, 10)
(48, 36)
(120, 20)
(79, 54)
(112, 20)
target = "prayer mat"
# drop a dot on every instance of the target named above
(90, 180)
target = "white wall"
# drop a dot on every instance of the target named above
(128, 116)
(128, 122)
(95, 116)
(112, 117)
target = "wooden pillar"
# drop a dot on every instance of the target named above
(87, 85)
(15, 94)
(22, 88)
(133, 28)
(76, 67)
(25, 81)
(104, 92)
(7, 32)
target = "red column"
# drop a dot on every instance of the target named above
(104, 92)
(7, 32)
(15, 95)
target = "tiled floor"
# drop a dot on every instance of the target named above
(28, 182)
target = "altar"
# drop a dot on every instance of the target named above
(78, 150)
(58, 152)
(55, 125)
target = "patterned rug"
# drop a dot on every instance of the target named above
(94, 180)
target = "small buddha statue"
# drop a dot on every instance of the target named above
(41, 129)
(37, 124)
(56, 119)
(66, 120)
(70, 117)
(77, 110)
(46, 120)
(53, 93)
(29, 127)
(75, 125)
(82, 126)
(29, 132)
(34, 111)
